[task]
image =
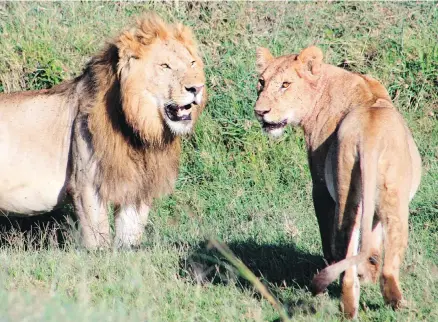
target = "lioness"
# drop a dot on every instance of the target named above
(109, 136)
(364, 164)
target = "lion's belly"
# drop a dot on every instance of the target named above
(416, 166)
(31, 182)
(27, 197)
(35, 135)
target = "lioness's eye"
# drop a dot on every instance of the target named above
(285, 85)
(193, 63)
(165, 66)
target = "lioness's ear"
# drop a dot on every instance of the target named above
(263, 57)
(311, 59)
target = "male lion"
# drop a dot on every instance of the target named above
(109, 136)
(364, 164)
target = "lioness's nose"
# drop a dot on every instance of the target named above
(262, 112)
(195, 89)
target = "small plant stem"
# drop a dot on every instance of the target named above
(250, 277)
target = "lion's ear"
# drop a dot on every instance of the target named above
(263, 58)
(185, 36)
(128, 45)
(311, 59)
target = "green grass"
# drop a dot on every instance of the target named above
(251, 192)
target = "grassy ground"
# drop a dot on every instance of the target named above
(252, 192)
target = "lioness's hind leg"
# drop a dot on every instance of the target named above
(350, 280)
(394, 214)
(370, 270)
(130, 222)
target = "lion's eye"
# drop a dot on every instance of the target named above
(261, 82)
(165, 66)
(193, 63)
(285, 85)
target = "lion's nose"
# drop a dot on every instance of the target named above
(195, 89)
(261, 113)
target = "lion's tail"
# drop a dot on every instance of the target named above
(368, 164)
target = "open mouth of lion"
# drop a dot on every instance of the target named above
(268, 126)
(177, 113)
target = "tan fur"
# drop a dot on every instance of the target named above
(364, 163)
(117, 142)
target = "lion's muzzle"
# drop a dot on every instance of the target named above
(177, 113)
(269, 126)
(197, 91)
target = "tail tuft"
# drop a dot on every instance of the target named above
(320, 282)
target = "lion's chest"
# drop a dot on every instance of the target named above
(158, 173)
(142, 177)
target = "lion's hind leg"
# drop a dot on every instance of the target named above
(369, 271)
(348, 223)
(394, 211)
(347, 267)
(350, 279)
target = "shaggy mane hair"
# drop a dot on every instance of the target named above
(137, 157)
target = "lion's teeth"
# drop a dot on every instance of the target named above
(184, 112)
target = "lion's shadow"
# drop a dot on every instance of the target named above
(53, 229)
(278, 266)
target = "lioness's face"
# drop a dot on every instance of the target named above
(286, 93)
(176, 80)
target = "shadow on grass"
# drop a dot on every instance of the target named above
(52, 229)
(277, 266)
